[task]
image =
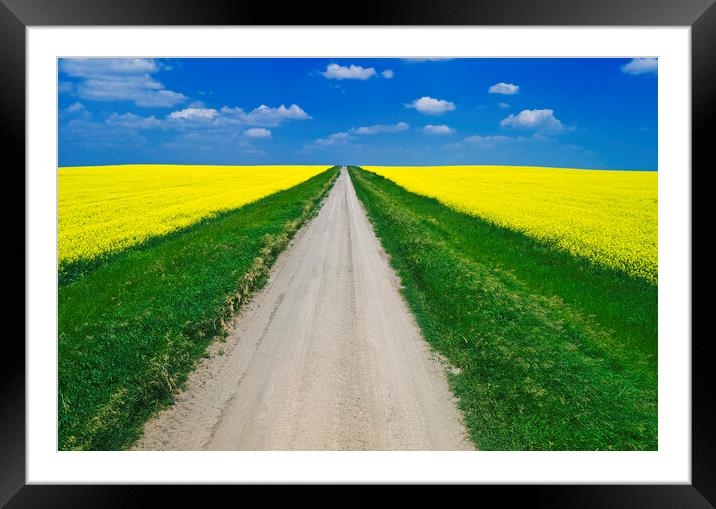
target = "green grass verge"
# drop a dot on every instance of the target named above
(131, 329)
(554, 352)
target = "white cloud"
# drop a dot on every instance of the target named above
(438, 129)
(141, 90)
(541, 120)
(641, 66)
(85, 67)
(120, 79)
(481, 142)
(504, 89)
(160, 99)
(132, 121)
(486, 140)
(194, 114)
(74, 108)
(504, 106)
(381, 128)
(258, 132)
(352, 72)
(340, 136)
(333, 139)
(344, 137)
(65, 87)
(431, 106)
(197, 118)
(83, 132)
(388, 74)
(264, 116)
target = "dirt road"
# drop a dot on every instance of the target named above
(326, 357)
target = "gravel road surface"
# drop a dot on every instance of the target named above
(326, 357)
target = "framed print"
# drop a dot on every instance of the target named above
(405, 245)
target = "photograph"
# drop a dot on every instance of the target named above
(398, 245)
(394, 243)
(438, 253)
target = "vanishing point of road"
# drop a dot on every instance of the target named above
(326, 357)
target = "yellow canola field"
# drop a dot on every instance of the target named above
(109, 208)
(609, 217)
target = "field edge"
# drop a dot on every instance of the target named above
(495, 420)
(161, 384)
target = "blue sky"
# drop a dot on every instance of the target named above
(586, 113)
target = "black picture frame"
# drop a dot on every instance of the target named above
(16, 15)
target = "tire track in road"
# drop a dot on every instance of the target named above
(326, 357)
